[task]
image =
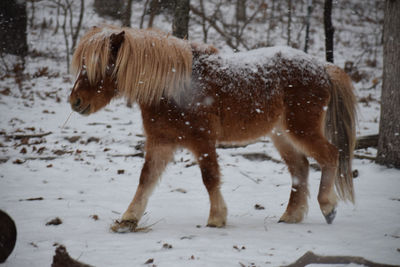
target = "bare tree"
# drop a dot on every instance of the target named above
(143, 14)
(13, 22)
(232, 32)
(70, 31)
(272, 23)
(204, 26)
(180, 24)
(389, 127)
(309, 11)
(289, 26)
(154, 10)
(109, 8)
(241, 10)
(329, 30)
(126, 15)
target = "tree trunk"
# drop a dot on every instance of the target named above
(329, 30)
(241, 10)
(180, 25)
(389, 127)
(75, 34)
(309, 11)
(289, 27)
(271, 22)
(13, 20)
(113, 8)
(126, 15)
(154, 10)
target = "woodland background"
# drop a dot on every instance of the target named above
(84, 171)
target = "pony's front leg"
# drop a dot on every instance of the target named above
(157, 158)
(298, 168)
(207, 159)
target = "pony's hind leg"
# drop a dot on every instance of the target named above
(298, 167)
(326, 154)
(157, 157)
(207, 159)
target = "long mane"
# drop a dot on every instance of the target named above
(150, 64)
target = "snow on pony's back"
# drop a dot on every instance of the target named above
(269, 63)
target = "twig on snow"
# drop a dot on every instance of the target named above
(22, 136)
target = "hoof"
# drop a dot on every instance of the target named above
(124, 226)
(330, 216)
(216, 224)
(292, 218)
(290, 221)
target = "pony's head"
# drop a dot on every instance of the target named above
(94, 65)
(142, 65)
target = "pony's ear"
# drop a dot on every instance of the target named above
(116, 40)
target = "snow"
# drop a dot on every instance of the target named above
(87, 183)
(253, 57)
(85, 178)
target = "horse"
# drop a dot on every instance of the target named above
(193, 96)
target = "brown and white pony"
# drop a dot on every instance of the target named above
(192, 96)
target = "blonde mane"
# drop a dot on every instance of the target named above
(150, 64)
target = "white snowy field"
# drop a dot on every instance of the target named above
(84, 173)
(82, 181)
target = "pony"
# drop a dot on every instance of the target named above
(192, 96)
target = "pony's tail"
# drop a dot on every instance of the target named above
(340, 128)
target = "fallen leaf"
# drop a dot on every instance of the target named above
(73, 139)
(18, 161)
(149, 261)
(55, 221)
(259, 207)
(94, 217)
(167, 246)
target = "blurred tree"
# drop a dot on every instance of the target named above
(389, 127)
(70, 31)
(154, 10)
(329, 30)
(289, 27)
(180, 24)
(113, 8)
(309, 11)
(13, 21)
(241, 10)
(126, 15)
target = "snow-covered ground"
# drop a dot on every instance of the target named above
(85, 174)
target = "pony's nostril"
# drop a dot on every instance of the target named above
(77, 102)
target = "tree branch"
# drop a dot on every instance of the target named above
(22, 136)
(212, 23)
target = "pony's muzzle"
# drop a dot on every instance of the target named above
(76, 103)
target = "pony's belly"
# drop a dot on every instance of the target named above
(247, 122)
(244, 131)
